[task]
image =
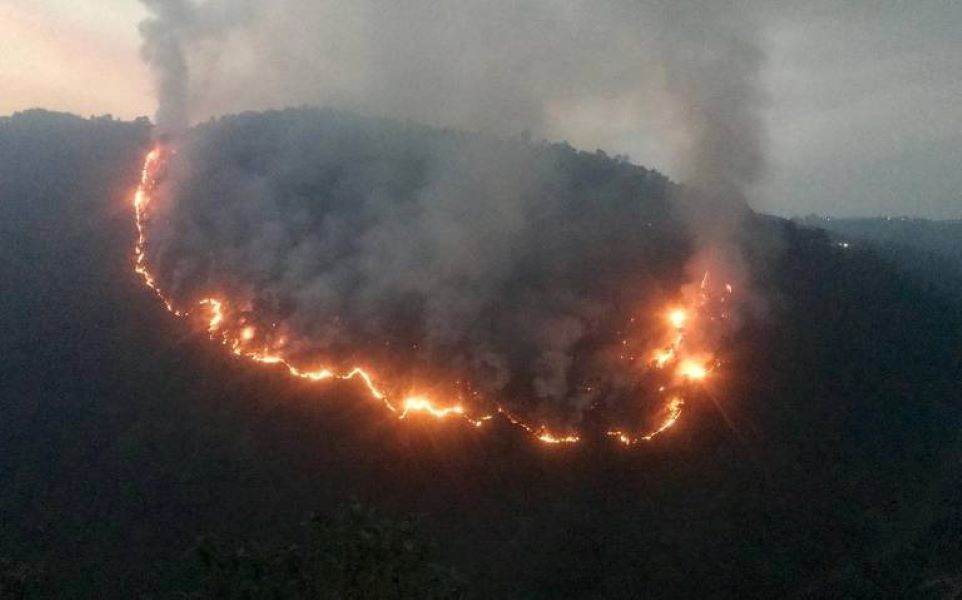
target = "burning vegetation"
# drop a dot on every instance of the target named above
(636, 369)
(460, 275)
(844, 401)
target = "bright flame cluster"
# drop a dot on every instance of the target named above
(241, 339)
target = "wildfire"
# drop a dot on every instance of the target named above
(420, 404)
(692, 370)
(148, 178)
(664, 356)
(549, 438)
(242, 340)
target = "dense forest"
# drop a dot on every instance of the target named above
(138, 459)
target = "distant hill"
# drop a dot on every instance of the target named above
(824, 463)
(932, 249)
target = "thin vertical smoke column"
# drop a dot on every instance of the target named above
(712, 58)
(163, 50)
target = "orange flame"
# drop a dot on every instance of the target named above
(664, 356)
(239, 341)
(692, 370)
(420, 404)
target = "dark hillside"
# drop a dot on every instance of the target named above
(929, 251)
(829, 467)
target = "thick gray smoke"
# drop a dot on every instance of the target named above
(675, 83)
(514, 265)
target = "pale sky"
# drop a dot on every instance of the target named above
(864, 116)
(77, 56)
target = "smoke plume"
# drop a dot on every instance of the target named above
(174, 29)
(673, 83)
(516, 266)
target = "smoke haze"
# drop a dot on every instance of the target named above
(686, 71)
(513, 265)
(175, 30)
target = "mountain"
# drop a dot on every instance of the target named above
(931, 250)
(825, 463)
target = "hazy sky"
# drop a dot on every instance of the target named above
(864, 111)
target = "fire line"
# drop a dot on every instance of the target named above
(241, 342)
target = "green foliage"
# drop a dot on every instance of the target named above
(355, 553)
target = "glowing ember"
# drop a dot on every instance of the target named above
(225, 326)
(216, 313)
(674, 411)
(692, 370)
(548, 438)
(418, 404)
(663, 357)
(677, 318)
